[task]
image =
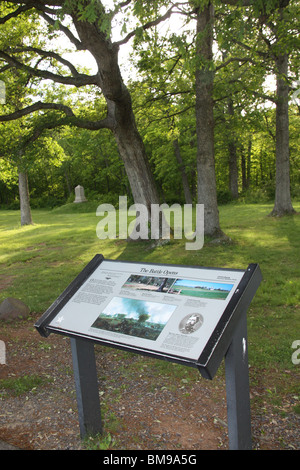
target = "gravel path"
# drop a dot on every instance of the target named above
(144, 406)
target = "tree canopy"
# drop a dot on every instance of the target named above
(195, 122)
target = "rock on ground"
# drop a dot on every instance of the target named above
(11, 309)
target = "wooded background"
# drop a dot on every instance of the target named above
(203, 109)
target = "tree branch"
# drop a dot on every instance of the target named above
(69, 119)
(35, 4)
(36, 107)
(235, 59)
(78, 81)
(265, 55)
(146, 26)
(46, 54)
(15, 13)
(242, 3)
(164, 95)
(5, 67)
(268, 128)
(168, 116)
(119, 7)
(257, 93)
(78, 44)
(44, 12)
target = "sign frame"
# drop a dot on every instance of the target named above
(228, 340)
(217, 344)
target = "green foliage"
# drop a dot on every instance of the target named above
(91, 11)
(164, 102)
(98, 442)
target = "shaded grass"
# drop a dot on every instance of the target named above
(37, 262)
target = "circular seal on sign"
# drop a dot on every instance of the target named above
(191, 323)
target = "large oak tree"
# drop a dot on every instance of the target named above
(87, 26)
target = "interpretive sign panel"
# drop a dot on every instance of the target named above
(180, 313)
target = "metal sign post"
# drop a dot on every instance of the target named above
(237, 389)
(184, 314)
(86, 385)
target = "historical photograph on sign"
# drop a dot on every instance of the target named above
(190, 323)
(150, 283)
(134, 317)
(209, 290)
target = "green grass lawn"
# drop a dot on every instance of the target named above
(37, 262)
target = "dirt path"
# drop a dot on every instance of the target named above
(144, 407)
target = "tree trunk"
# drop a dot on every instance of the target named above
(26, 218)
(119, 111)
(233, 170)
(248, 171)
(283, 203)
(233, 166)
(69, 189)
(207, 192)
(243, 168)
(132, 152)
(184, 178)
(246, 165)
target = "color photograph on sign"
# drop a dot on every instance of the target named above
(154, 284)
(134, 317)
(210, 290)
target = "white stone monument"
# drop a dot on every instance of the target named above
(79, 194)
